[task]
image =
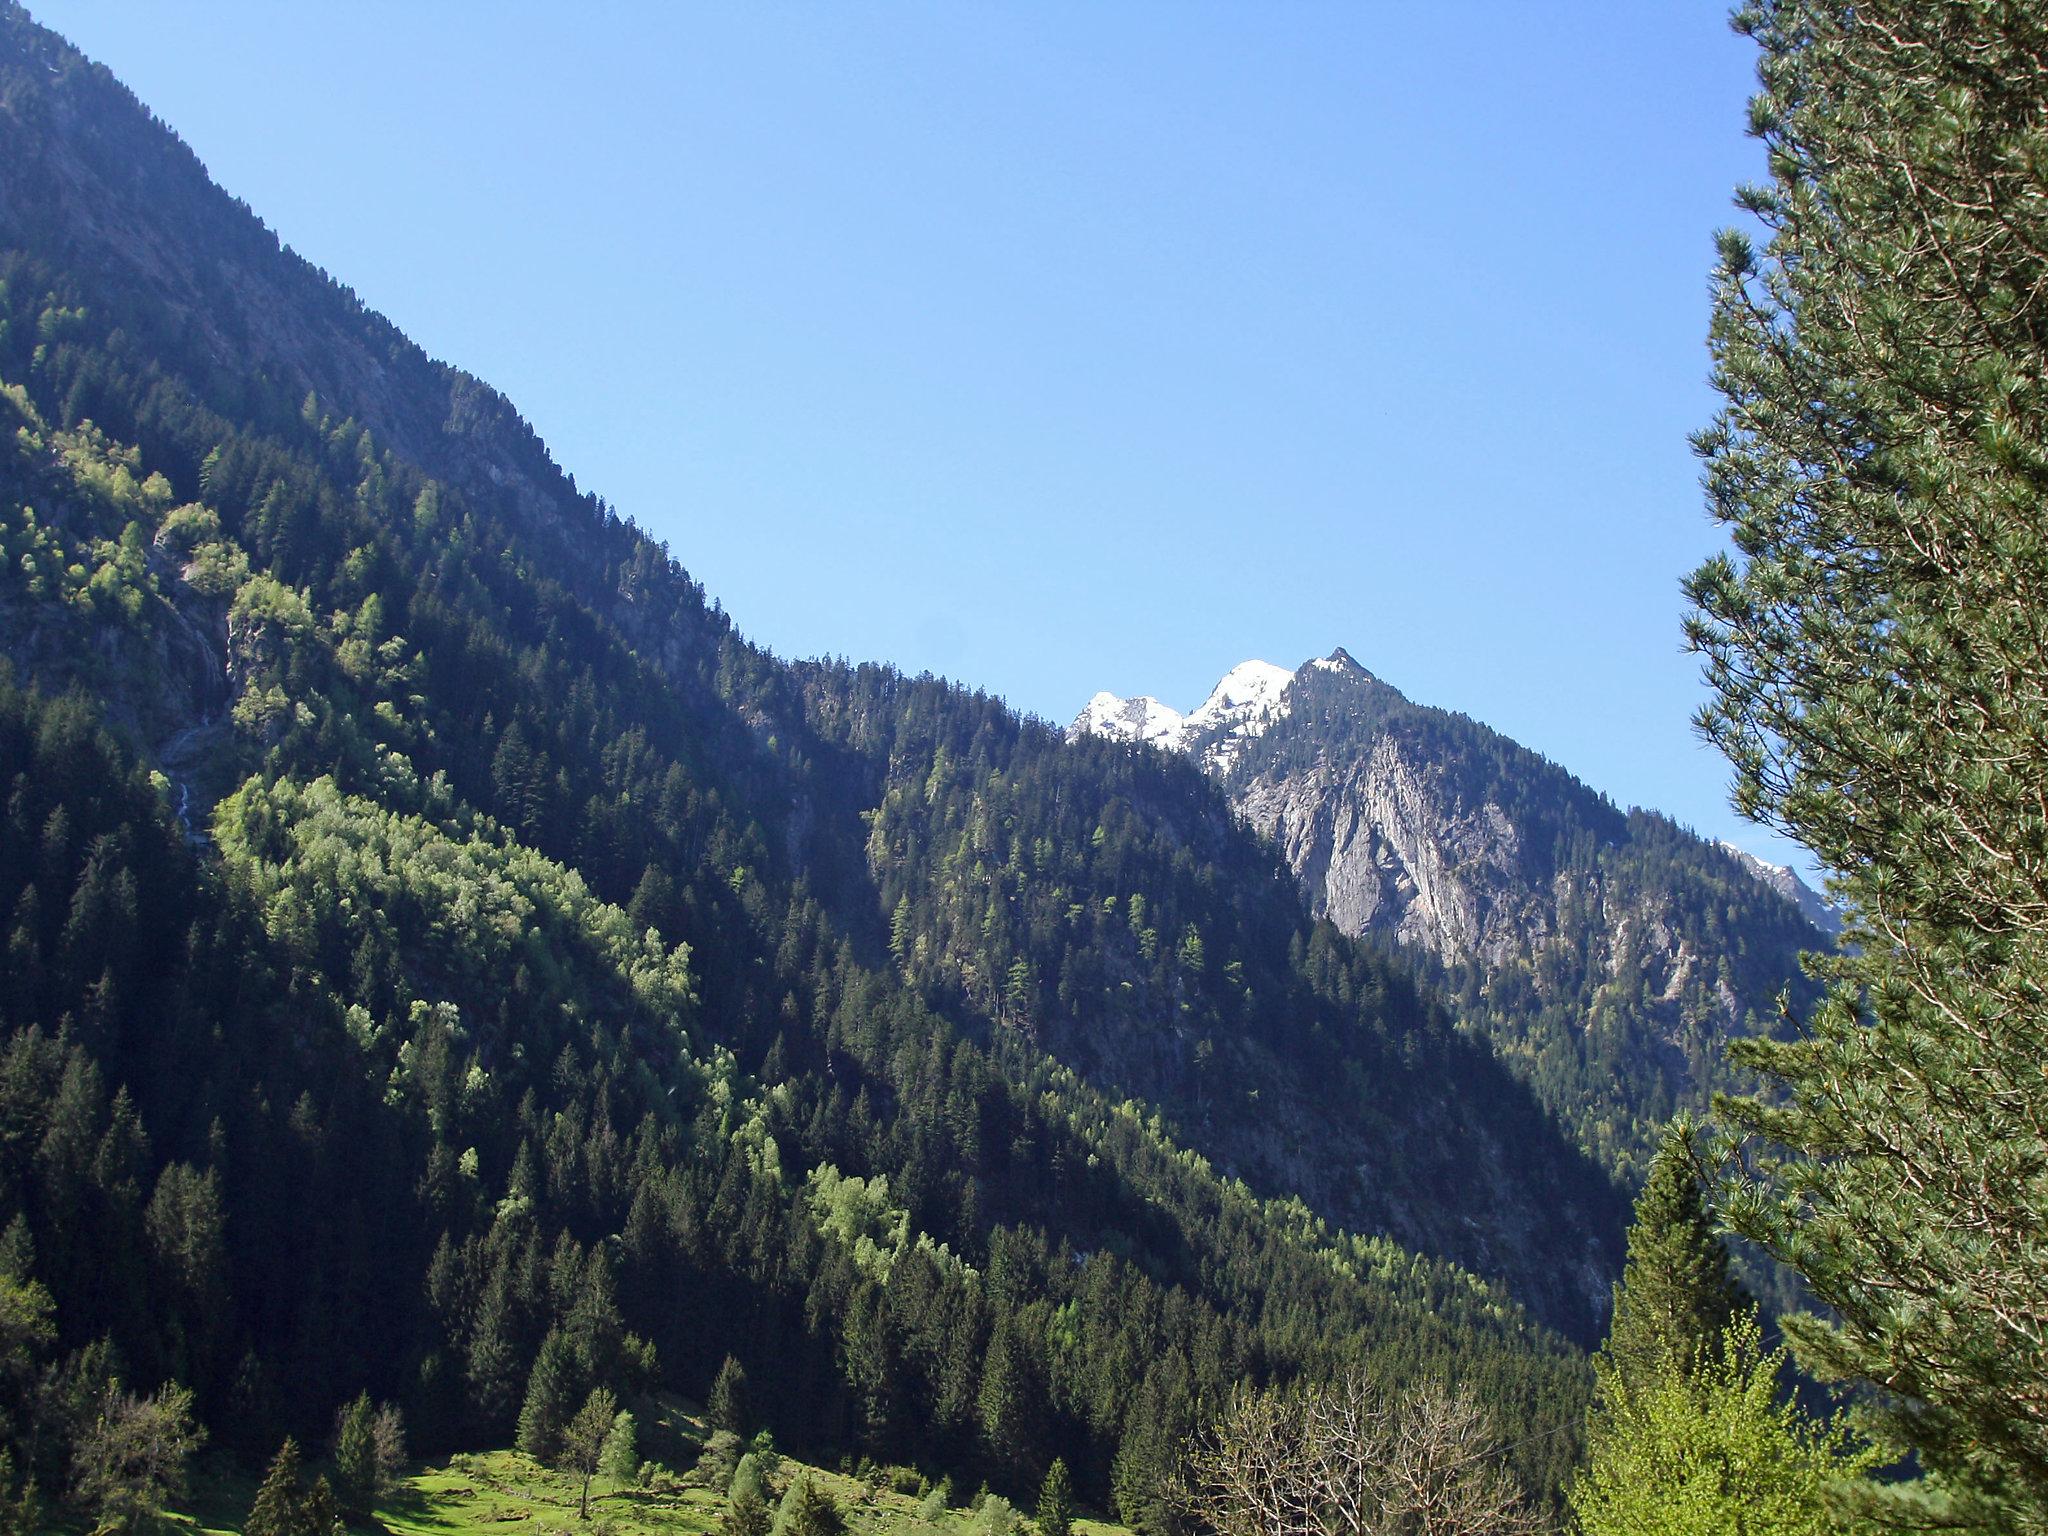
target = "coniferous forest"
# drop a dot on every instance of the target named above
(463, 1005)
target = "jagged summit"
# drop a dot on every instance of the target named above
(1142, 718)
(1787, 882)
(1243, 704)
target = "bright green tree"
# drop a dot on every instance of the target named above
(620, 1459)
(355, 1458)
(585, 1439)
(1056, 1501)
(1877, 646)
(1714, 1451)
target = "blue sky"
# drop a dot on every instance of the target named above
(1064, 347)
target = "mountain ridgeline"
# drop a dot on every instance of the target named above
(1608, 956)
(429, 929)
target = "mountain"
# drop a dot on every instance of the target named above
(436, 944)
(1607, 955)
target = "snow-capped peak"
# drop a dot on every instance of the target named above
(1137, 719)
(1250, 697)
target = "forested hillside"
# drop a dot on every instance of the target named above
(444, 959)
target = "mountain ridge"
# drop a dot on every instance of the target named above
(1608, 955)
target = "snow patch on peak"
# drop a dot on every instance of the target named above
(1251, 696)
(1248, 699)
(1785, 880)
(1249, 688)
(1142, 718)
(1339, 660)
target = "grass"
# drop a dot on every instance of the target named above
(508, 1493)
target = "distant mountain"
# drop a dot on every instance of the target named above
(1609, 955)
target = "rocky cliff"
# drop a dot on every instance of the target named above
(1608, 954)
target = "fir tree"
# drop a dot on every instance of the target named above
(746, 1513)
(1875, 650)
(280, 1505)
(808, 1510)
(1676, 1295)
(550, 1399)
(355, 1458)
(1056, 1501)
(727, 1406)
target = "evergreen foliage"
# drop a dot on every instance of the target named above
(1056, 1501)
(808, 1510)
(1676, 1296)
(279, 1508)
(726, 1408)
(747, 1513)
(1875, 648)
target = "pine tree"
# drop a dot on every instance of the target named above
(280, 1505)
(355, 1458)
(1056, 1501)
(727, 1407)
(1875, 648)
(1676, 1295)
(550, 1399)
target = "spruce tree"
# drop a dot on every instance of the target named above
(727, 1406)
(1676, 1295)
(746, 1513)
(1876, 649)
(550, 1399)
(808, 1510)
(355, 1458)
(280, 1505)
(1056, 1501)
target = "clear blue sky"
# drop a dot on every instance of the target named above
(1063, 347)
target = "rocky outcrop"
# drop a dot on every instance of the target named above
(1380, 845)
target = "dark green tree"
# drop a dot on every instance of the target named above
(1056, 1501)
(808, 1510)
(280, 1505)
(746, 1513)
(727, 1407)
(1876, 647)
(1676, 1295)
(551, 1392)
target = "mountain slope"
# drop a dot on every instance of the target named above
(527, 954)
(1607, 955)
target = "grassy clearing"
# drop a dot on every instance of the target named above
(507, 1493)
